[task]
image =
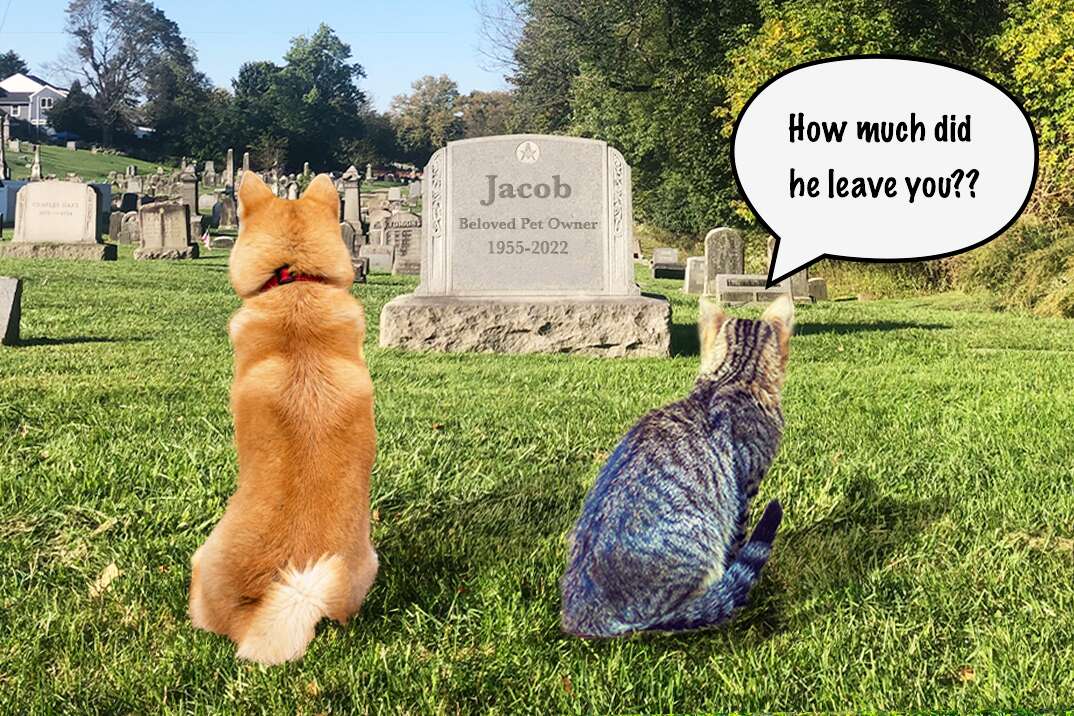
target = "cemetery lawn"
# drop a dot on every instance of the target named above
(926, 559)
(60, 161)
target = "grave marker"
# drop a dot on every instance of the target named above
(10, 310)
(527, 248)
(58, 219)
(165, 232)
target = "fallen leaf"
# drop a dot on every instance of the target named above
(312, 688)
(966, 674)
(104, 579)
(376, 515)
(567, 685)
(438, 426)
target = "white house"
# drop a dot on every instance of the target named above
(29, 98)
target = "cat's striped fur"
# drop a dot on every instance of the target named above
(659, 544)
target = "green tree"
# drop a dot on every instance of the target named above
(486, 113)
(11, 63)
(115, 45)
(427, 118)
(74, 113)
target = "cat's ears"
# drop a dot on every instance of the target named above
(710, 321)
(322, 191)
(252, 192)
(780, 315)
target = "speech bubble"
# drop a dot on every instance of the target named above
(881, 158)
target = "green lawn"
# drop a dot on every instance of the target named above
(926, 557)
(60, 161)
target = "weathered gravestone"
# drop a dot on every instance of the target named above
(128, 201)
(115, 227)
(743, 289)
(58, 219)
(666, 264)
(188, 188)
(131, 230)
(380, 257)
(72, 146)
(526, 248)
(725, 252)
(799, 280)
(206, 203)
(402, 232)
(10, 310)
(224, 214)
(165, 232)
(818, 289)
(694, 283)
(415, 190)
(9, 193)
(377, 217)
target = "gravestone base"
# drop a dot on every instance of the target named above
(222, 242)
(748, 289)
(598, 326)
(187, 252)
(59, 250)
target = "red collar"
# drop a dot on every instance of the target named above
(284, 275)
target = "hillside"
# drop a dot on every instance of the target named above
(60, 161)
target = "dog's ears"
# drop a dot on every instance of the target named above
(322, 191)
(252, 193)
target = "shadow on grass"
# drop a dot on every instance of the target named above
(684, 340)
(72, 340)
(808, 329)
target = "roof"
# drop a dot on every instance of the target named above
(40, 81)
(15, 98)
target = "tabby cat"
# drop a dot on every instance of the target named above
(659, 544)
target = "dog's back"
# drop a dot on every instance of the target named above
(294, 544)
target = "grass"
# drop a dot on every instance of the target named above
(925, 561)
(60, 161)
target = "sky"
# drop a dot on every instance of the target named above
(396, 42)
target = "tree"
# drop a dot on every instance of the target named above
(11, 63)
(427, 118)
(73, 113)
(486, 113)
(115, 45)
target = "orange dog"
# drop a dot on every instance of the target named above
(293, 545)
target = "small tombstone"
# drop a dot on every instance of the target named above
(415, 190)
(725, 252)
(10, 309)
(56, 219)
(694, 282)
(292, 190)
(224, 214)
(128, 201)
(131, 233)
(35, 168)
(15, 145)
(306, 169)
(818, 289)
(741, 289)
(369, 172)
(165, 232)
(245, 161)
(188, 188)
(115, 227)
(229, 170)
(361, 269)
(402, 231)
(72, 146)
(206, 203)
(352, 195)
(381, 257)
(635, 250)
(666, 264)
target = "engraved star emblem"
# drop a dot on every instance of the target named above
(528, 152)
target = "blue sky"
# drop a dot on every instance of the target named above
(396, 42)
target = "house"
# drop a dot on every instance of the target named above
(29, 98)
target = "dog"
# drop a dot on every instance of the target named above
(294, 543)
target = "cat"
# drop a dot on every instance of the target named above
(294, 543)
(659, 543)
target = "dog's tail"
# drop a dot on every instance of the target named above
(718, 602)
(281, 623)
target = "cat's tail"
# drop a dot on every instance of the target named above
(281, 624)
(717, 603)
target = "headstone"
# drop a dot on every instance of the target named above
(694, 283)
(292, 190)
(246, 161)
(58, 219)
(222, 242)
(380, 257)
(224, 214)
(132, 229)
(306, 169)
(128, 201)
(131, 170)
(188, 189)
(72, 146)
(636, 250)
(369, 172)
(15, 145)
(395, 194)
(35, 168)
(526, 248)
(725, 252)
(741, 289)
(9, 192)
(402, 232)
(415, 190)
(361, 269)
(198, 226)
(352, 193)
(229, 169)
(10, 310)
(165, 232)
(115, 227)
(799, 280)
(666, 264)
(206, 203)
(818, 289)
